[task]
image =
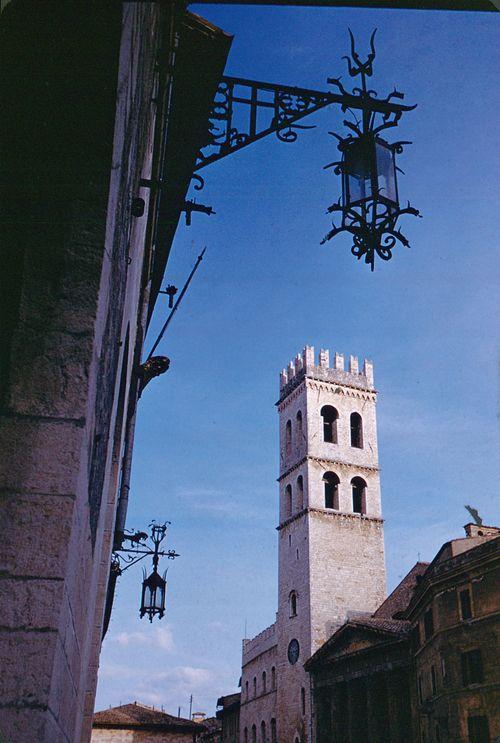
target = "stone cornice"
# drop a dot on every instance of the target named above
(327, 462)
(330, 513)
(290, 391)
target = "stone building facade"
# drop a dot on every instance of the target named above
(86, 92)
(424, 667)
(331, 550)
(455, 619)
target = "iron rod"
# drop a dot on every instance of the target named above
(174, 308)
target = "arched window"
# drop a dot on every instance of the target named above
(264, 682)
(273, 678)
(300, 493)
(303, 700)
(331, 482)
(274, 739)
(299, 427)
(330, 416)
(263, 732)
(358, 495)
(292, 600)
(288, 501)
(245, 735)
(356, 431)
(254, 686)
(254, 734)
(288, 437)
(246, 690)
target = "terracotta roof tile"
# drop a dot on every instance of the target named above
(140, 715)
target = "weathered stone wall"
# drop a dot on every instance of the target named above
(103, 735)
(74, 260)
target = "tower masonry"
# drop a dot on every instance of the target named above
(331, 547)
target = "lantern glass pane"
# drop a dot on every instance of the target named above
(358, 168)
(386, 173)
(148, 598)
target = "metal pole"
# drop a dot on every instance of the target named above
(174, 309)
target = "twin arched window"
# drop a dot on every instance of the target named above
(358, 486)
(330, 435)
(331, 484)
(330, 416)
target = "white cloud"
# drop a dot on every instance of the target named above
(159, 636)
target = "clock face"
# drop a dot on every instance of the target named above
(293, 651)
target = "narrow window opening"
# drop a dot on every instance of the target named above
(330, 417)
(288, 437)
(245, 735)
(263, 732)
(478, 729)
(254, 734)
(264, 682)
(246, 690)
(288, 496)
(299, 428)
(331, 484)
(472, 667)
(428, 623)
(293, 604)
(356, 431)
(358, 495)
(254, 687)
(273, 678)
(465, 604)
(300, 492)
(274, 739)
(433, 681)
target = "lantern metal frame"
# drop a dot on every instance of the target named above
(124, 558)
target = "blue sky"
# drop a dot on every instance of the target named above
(206, 444)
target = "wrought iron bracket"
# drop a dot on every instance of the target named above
(245, 111)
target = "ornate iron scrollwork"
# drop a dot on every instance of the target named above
(372, 218)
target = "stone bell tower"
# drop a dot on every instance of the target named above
(331, 544)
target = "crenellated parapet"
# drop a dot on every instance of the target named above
(259, 644)
(305, 365)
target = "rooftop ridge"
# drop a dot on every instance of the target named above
(304, 365)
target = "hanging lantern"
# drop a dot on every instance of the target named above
(154, 589)
(369, 206)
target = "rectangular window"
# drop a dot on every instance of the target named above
(428, 623)
(465, 604)
(433, 681)
(478, 729)
(472, 667)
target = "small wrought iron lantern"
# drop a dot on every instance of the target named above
(154, 586)
(154, 589)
